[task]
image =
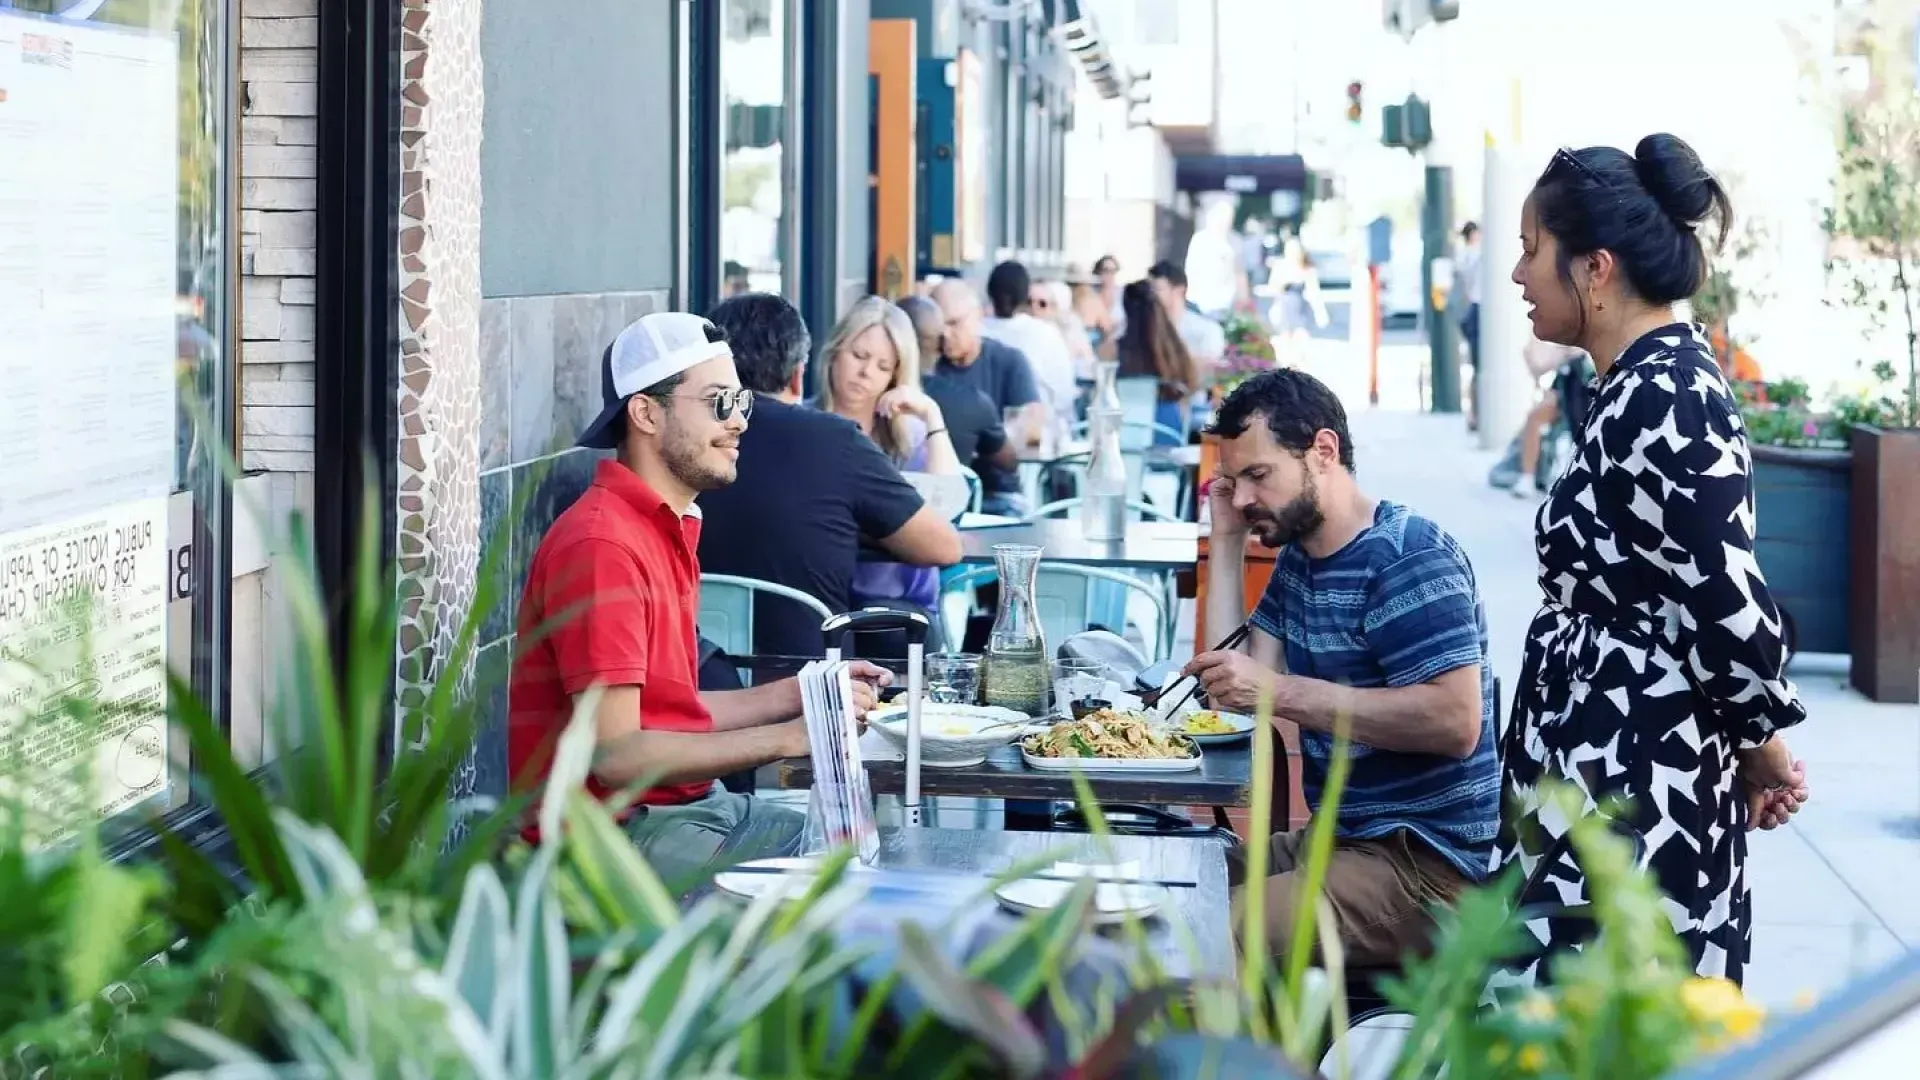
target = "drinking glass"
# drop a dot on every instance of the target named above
(953, 678)
(1076, 680)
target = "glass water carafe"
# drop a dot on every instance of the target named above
(1103, 494)
(1016, 671)
(1106, 386)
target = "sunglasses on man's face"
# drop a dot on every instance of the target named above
(724, 403)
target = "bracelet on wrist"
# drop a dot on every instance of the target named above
(931, 432)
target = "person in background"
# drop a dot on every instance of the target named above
(1655, 669)
(873, 380)
(1254, 252)
(611, 600)
(1092, 311)
(1371, 625)
(1204, 338)
(813, 487)
(1152, 349)
(1053, 302)
(1543, 359)
(1010, 291)
(1106, 283)
(1299, 311)
(1214, 269)
(1001, 373)
(973, 423)
(1466, 286)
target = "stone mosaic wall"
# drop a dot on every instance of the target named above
(439, 392)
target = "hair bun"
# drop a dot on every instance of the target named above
(1673, 174)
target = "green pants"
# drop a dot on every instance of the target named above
(687, 843)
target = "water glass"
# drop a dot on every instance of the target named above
(1076, 680)
(953, 678)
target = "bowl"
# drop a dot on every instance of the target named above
(952, 736)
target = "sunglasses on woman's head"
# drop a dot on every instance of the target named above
(1566, 155)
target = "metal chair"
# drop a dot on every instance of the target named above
(1110, 604)
(1067, 599)
(726, 609)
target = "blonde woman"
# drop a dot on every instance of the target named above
(873, 379)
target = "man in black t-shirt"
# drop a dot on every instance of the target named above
(810, 487)
(999, 371)
(973, 423)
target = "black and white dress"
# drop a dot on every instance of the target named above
(1657, 651)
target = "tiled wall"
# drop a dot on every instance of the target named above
(540, 386)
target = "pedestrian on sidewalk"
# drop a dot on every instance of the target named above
(1655, 667)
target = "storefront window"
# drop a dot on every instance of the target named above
(114, 376)
(752, 85)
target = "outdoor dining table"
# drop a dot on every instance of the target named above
(1192, 936)
(1224, 778)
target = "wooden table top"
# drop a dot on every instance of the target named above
(1192, 935)
(1225, 778)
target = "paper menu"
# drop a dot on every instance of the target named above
(840, 811)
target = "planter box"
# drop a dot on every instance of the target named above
(1886, 564)
(1801, 529)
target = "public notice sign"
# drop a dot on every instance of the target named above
(83, 637)
(89, 220)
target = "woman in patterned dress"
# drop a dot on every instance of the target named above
(1653, 670)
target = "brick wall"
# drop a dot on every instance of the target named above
(279, 62)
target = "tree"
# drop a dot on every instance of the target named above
(1876, 214)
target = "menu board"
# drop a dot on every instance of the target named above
(89, 217)
(83, 619)
(89, 212)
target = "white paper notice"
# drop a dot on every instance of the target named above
(83, 615)
(89, 212)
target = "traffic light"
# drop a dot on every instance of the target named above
(1354, 109)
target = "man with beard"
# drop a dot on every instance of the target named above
(1372, 627)
(612, 600)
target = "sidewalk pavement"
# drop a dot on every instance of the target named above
(1837, 892)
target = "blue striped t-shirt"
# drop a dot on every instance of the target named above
(1397, 606)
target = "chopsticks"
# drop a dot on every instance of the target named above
(1163, 882)
(1233, 640)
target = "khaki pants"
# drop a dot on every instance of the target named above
(686, 844)
(1380, 891)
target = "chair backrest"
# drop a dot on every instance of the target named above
(1070, 598)
(1139, 395)
(976, 491)
(726, 609)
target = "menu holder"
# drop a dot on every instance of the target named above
(840, 808)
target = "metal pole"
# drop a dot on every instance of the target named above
(792, 164)
(1437, 216)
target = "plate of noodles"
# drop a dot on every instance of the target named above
(1112, 741)
(1210, 727)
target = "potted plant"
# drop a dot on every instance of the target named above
(1802, 469)
(1876, 223)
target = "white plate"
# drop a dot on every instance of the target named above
(788, 886)
(1094, 764)
(1113, 902)
(1242, 728)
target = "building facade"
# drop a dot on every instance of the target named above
(378, 246)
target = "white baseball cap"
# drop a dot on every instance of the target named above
(651, 349)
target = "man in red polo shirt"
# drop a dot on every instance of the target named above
(613, 598)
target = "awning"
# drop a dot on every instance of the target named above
(1245, 174)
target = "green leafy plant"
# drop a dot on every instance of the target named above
(1876, 213)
